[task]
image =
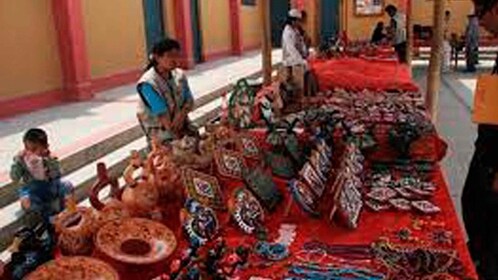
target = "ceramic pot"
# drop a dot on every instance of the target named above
(136, 245)
(72, 268)
(75, 230)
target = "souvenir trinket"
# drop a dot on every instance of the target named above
(316, 271)
(230, 164)
(204, 189)
(380, 180)
(381, 194)
(442, 237)
(81, 268)
(304, 197)
(320, 163)
(248, 146)
(417, 263)
(286, 234)
(247, 211)
(376, 206)
(280, 165)
(401, 204)
(311, 177)
(241, 105)
(135, 241)
(350, 204)
(262, 186)
(200, 223)
(405, 192)
(271, 251)
(426, 207)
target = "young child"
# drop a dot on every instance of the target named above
(43, 192)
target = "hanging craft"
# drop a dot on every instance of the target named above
(247, 211)
(305, 198)
(313, 179)
(204, 189)
(263, 187)
(230, 164)
(241, 105)
(248, 146)
(350, 204)
(280, 165)
(321, 163)
(200, 223)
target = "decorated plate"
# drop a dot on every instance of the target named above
(230, 164)
(72, 268)
(400, 204)
(426, 207)
(247, 211)
(201, 224)
(203, 188)
(136, 241)
(382, 194)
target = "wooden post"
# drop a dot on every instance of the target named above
(266, 41)
(434, 75)
(409, 32)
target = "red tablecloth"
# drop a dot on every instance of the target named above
(360, 74)
(372, 226)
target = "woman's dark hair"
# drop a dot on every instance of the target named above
(380, 24)
(391, 8)
(290, 21)
(36, 136)
(160, 48)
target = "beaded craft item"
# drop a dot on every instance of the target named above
(204, 189)
(303, 195)
(248, 146)
(350, 204)
(313, 179)
(401, 204)
(425, 207)
(247, 211)
(262, 186)
(201, 224)
(381, 194)
(229, 164)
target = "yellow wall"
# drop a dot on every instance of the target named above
(215, 25)
(251, 24)
(169, 18)
(359, 28)
(114, 35)
(29, 59)
(312, 22)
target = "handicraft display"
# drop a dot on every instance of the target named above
(246, 211)
(248, 146)
(75, 231)
(303, 195)
(241, 105)
(204, 189)
(230, 164)
(200, 223)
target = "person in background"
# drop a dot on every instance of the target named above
(294, 53)
(480, 193)
(43, 191)
(472, 43)
(304, 35)
(165, 96)
(378, 34)
(397, 32)
(447, 50)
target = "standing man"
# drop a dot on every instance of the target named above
(397, 31)
(294, 52)
(480, 193)
(472, 43)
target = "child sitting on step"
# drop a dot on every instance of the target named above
(43, 192)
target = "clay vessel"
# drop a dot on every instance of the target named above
(72, 268)
(75, 230)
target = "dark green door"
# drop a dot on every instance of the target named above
(196, 30)
(329, 19)
(278, 14)
(154, 29)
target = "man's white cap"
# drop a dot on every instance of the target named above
(295, 13)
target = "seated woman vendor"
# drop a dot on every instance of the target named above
(165, 96)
